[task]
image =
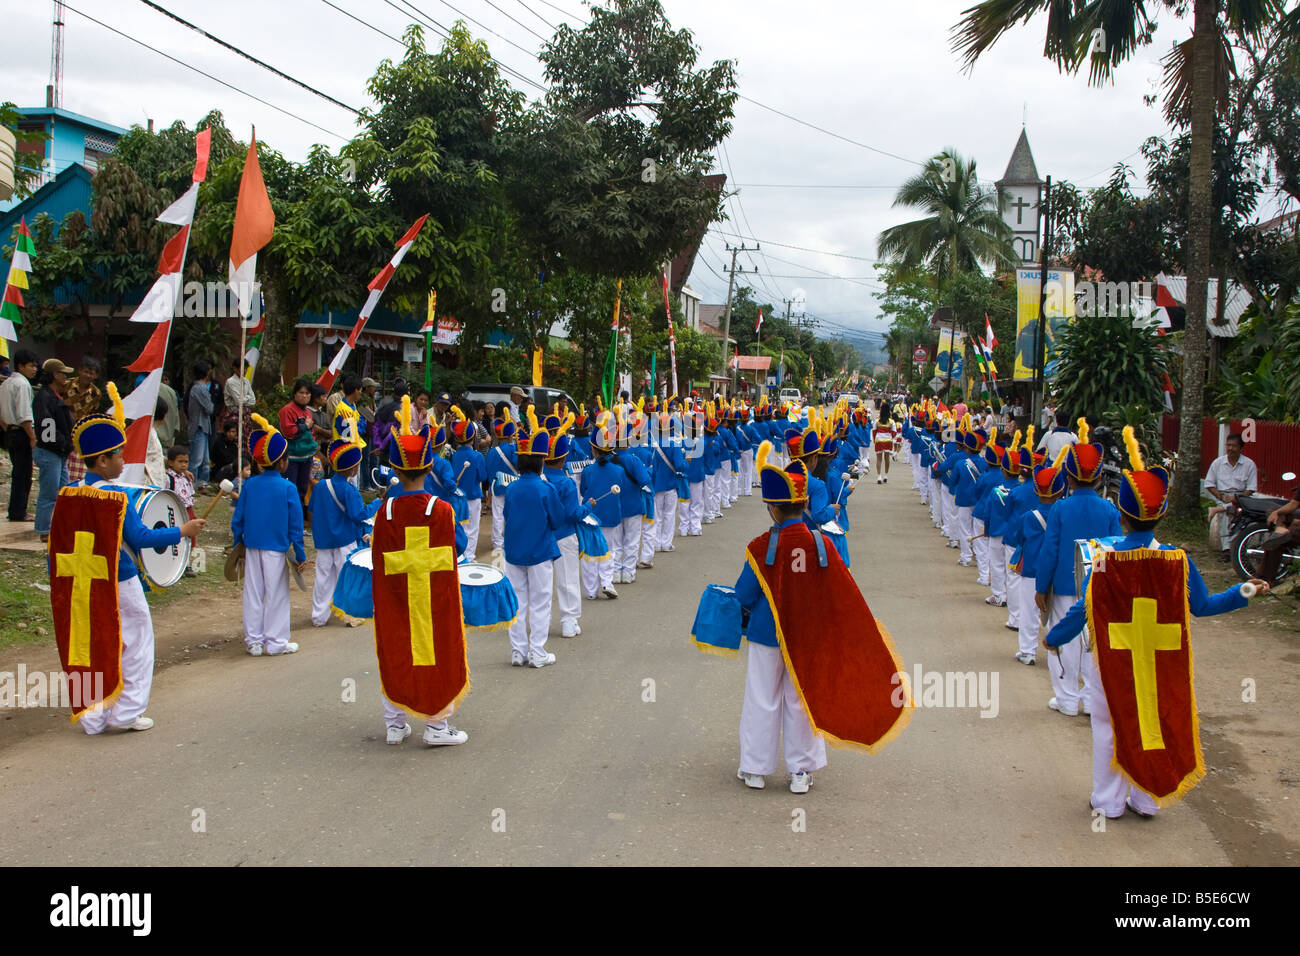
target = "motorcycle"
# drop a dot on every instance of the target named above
(1248, 529)
(1113, 462)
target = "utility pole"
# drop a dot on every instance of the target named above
(1040, 334)
(726, 325)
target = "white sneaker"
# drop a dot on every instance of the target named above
(290, 648)
(255, 650)
(1025, 658)
(568, 630)
(448, 737)
(540, 659)
(706, 521)
(608, 591)
(1055, 705)
(670, 548)
(397, 734)
(516, 659)
(629, 578)
(1083, 706)
(800, 782)
(752, 780)
(140, 723)
(577, 629)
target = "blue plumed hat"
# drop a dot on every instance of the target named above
(537, 442)
(1083, 460)
(781, 486)
(100, 434)
(1144, 492)
(409, 450)
(265, 443)
(344, 455)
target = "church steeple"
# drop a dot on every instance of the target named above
(1021, 170)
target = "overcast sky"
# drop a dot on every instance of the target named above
(875, 71)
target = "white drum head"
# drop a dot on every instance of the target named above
(160, 508)
(363, 558)
(479, 575)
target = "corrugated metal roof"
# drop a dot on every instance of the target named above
(1235, 303)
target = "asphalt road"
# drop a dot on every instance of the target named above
(259, 761)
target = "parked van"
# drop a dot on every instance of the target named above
(791, 395)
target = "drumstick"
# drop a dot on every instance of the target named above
(226, 487)
(613, 490)
(845, 479)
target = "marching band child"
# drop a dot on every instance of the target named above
(667, 468)
(600, 487)
(501, 467)
(338, 525)
(470, 468)
(532, 519)
(695, 452)
(1048, 482)
(268, 522)
(567, 575)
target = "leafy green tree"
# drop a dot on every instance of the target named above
(1105, 362)
(27, 165)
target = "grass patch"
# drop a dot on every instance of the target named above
(24, 608)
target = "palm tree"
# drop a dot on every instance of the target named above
(963, 230)
(1105, 33)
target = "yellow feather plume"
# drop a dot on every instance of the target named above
(258, 420)
(533, 426)
(1134, 450)
(566, 424)
(1015, 441)
(760, 456)
(403, 417)
(582, 410)
(1029, 438)
(1083, 431)
(1060, 458)
(993, 436)
(119, 413)
(640, 404)
(455, 410)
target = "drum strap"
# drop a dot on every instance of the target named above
(505, 461)
(1041, 520)
(329, 486)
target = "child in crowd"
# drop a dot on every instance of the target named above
(338, 525)
(181, 482)
(470, 469)
(267, 522)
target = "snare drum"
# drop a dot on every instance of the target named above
(718, 625)
(1085, 551)
(835, 532)
(487, 599)
(591, 540)
(159, 508)
(353, 592)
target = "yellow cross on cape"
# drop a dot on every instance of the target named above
(418, 561)
(84, 566)
(1143, 636)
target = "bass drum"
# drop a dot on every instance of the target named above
(1085, 550)
(159, 508)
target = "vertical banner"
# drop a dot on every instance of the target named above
(951, 347)
(428, 338)
(611, 360)
(1059, 305)
(537, 366)
(672, 336)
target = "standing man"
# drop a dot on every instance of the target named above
(171, 421)
(20, 436)
(240, 399)
(53, 421)
(198, 408)
(84, 398)
(516, 403)
(1230, 475)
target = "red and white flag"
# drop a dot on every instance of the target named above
(672, 336)
(159, 306)
(1168, 388)
(988, 335)
(254, 224)
(377, 286)
(759, 324)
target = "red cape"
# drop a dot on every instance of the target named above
(844, 666)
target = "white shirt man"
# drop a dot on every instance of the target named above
(1228, 476)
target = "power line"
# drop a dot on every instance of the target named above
(513, 20)
(731, 168)
(783, 245)
(810, 186)
(573, 16)
(479, 23)
(821, 129)
(248, 56)
(537, 15)
(188, 66)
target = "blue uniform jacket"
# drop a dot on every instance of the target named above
(570, 506)
(951, 452)
(136, 535)
(968, 471)
(595, 484)
(268, 515)
(629, 496)
(995, 522)
(762, 626)
(663, 474)
(1029, 537)
(983, 488)
(696, 453)
(532, 519)
(441, 480)
(1199, 599)
(1023, 499)
(838, 489)
(502, 466)
(472, 469)
(342, 524)
(819, 501)
(1084, 514)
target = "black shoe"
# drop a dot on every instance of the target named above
(1136, 812)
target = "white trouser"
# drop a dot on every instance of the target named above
(734, 483)
(598, 574)
(567, 593)
(665, 519)
(692, 512)
(864, 456)
(916, 476)
(949, 513)
(532, 584)
(396, 717)
(1064, 664)
(711, 497)
(136, 661)
(936, 502)
(981, 548)
(471, 528)
(266, 600)
(1109, 789)
(747, 473)
(629, 545)
(997, 569)
(1028, 618)
(329, 562)
(1013, 587)
(650, 537)
(498, 522)
(965, 525)
(772, 706)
